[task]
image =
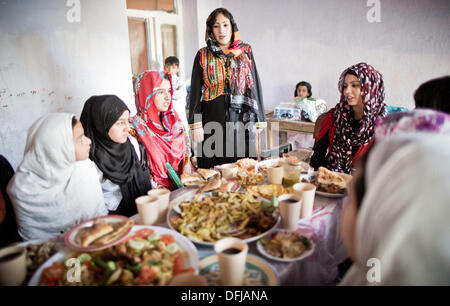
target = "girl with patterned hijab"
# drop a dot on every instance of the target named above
(348, 129)
(225, 88)
(157, 125)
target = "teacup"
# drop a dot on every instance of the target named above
(13, 266)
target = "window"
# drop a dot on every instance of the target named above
(152, 5)
(155, 24)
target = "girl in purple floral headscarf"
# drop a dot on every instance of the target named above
(420, 120)
(348, 129)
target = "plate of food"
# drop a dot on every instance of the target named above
(149, 255)
(329, 183)
(209, 180)
(285, 246)
(208, 218)
(257, 271)
(268, 190)
(262, 166)
(98, 233)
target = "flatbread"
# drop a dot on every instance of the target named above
(247, 164)
(327, 177)
(120, 229)
(266, 191)
(90, 234)
(193, 179)
(207, 173)
(211, 185)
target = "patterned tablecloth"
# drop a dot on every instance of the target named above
(324, 227)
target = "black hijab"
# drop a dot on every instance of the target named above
(118, 162)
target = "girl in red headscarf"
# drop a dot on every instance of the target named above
(157, 125)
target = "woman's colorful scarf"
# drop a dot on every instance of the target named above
(236, 48)
(239, 76)
(164, 142)
(349, 135)
(419, 120)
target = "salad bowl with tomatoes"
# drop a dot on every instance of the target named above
(149, 255)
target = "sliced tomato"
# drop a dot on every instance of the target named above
(53, 274)
(146, 275)
(129, 238)
(188, 270)
(178, 265)
(167, 239)
(89, 265)
(173, 219)
(144, 233)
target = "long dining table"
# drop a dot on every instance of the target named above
(321, 267)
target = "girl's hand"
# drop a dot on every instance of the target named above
(197, 135)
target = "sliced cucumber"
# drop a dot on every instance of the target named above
(172, 248)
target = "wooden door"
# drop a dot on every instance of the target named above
(138, 45)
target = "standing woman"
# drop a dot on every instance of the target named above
(348, 129)
(123, 176)
(226, 72)
(157, 125)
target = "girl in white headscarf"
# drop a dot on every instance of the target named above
(400, 234)
(56, 186)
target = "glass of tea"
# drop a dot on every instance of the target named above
(290, 205)
(232, 255)
(13, 266)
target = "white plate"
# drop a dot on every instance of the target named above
(269, 163)
(330, 195)
(304, 255)
(312, 176)
(189, 251)
(71, 235)
(173, 212)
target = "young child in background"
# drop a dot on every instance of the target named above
(172, 66)
(302, 90)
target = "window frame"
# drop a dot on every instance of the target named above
(153, 22)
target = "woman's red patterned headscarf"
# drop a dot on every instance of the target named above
(347, 136)
(164, 142)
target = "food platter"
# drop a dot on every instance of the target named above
(189, 254)
(72, 239)
(269, 163)
(311, 177)
(258, 272)
(306, 253)
(189, 224)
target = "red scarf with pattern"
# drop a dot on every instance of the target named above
(163, 139)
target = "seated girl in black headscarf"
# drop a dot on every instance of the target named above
(124, 176)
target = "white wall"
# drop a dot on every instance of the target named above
(195, 13)
(50, 65)
(296, 40)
